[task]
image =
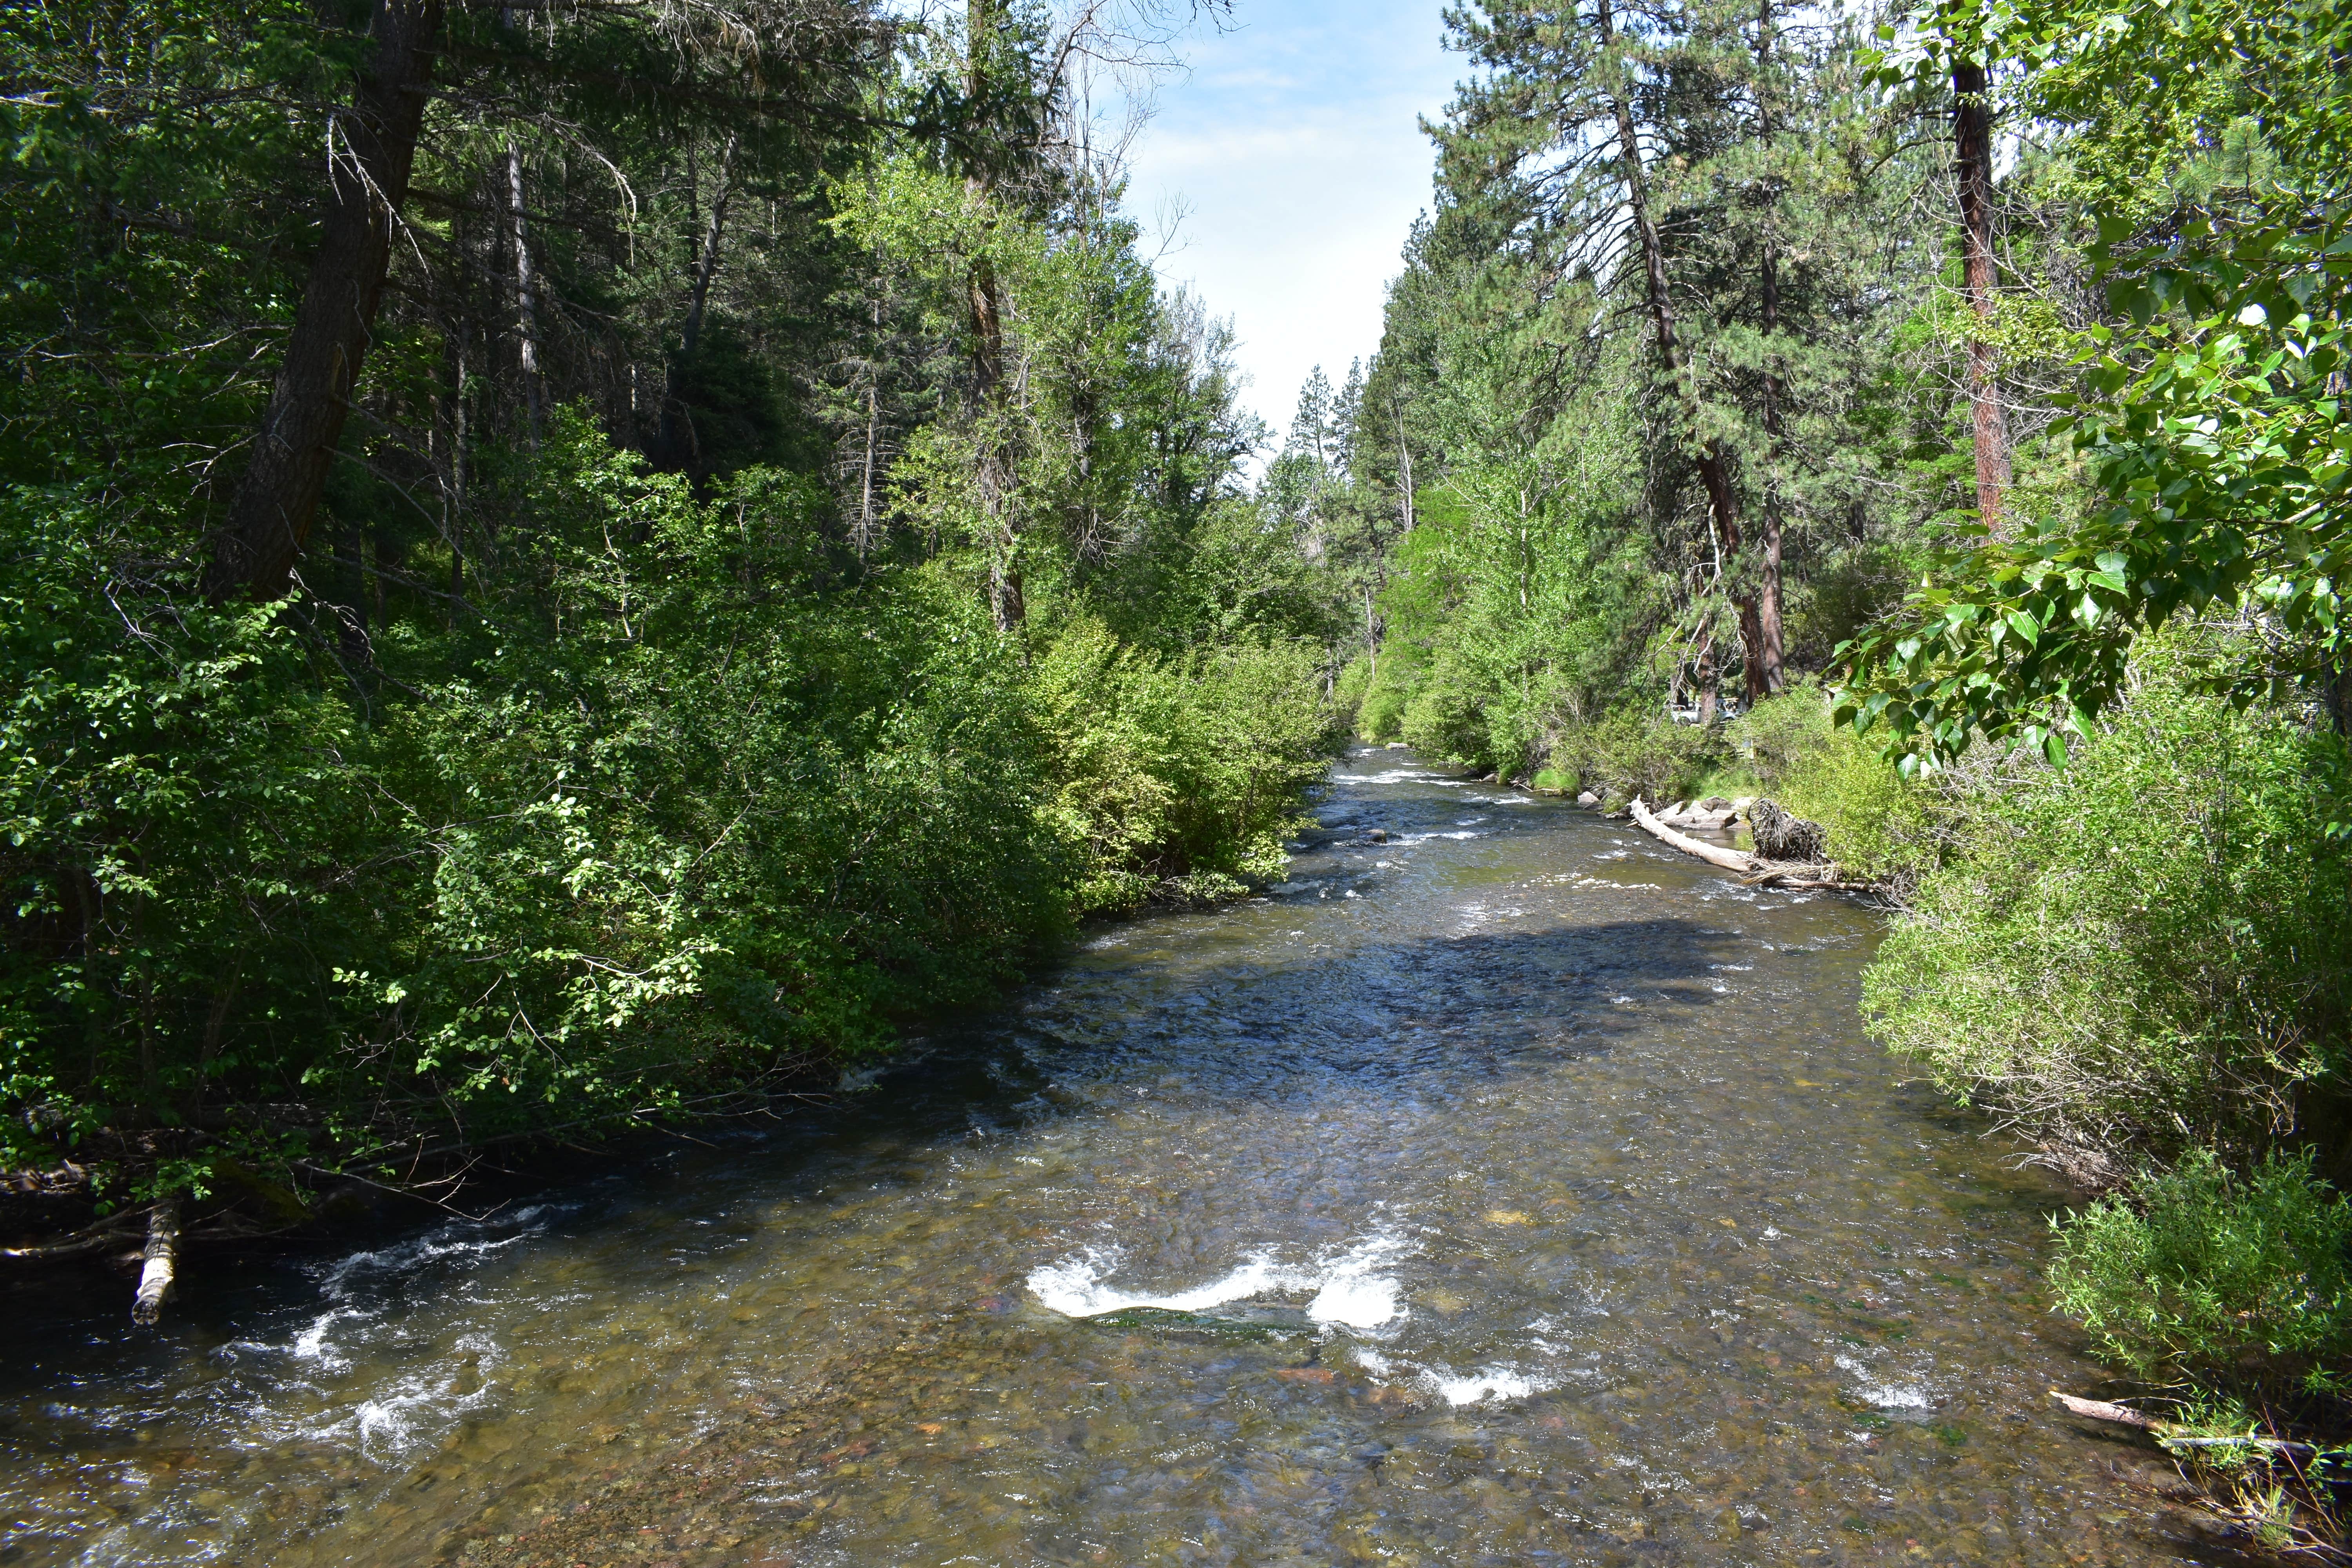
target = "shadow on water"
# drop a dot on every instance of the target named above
(1499, 1191)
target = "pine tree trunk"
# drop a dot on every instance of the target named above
(1765, 676)
(1404, 463)
(984, 23)
(676, 436)
(526, 303)
(277, 498)
(1714, 464)
(1972, 140)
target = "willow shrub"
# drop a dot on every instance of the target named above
(1879, 825)
(1630, 753)
(2145, 950)
(1179, 774)
(2202, 1267)
(686, 802)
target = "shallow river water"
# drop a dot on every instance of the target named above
(1512, 1191)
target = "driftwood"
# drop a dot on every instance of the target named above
(1782, 835)
(160, 1264)
(1754, 871)
(2166, 1432)
(1713, 854)
(2100, 1410)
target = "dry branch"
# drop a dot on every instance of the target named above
(2100, 1410)
(1713, 854)
(2169, 1433)
(157, 1273)
(98, 1239)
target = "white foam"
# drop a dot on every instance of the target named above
(1886, 1395)
(1490, 1383)
(1075, 1288)
(411, 1409)
(1355, 1290)
(311, 1344)
(450, 1241)
(1349, 1289)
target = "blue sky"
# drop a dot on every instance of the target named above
(1292, 144)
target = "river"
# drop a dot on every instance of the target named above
(1508, 1191)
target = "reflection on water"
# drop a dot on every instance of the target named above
(1505, 1190)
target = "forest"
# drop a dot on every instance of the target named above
(569, 564)
(573, 565)
(1934, 420)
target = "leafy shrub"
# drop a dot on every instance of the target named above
(1385, 690)
(1842, 596)
(1880, 824)
(691, 802)
(1633, 753)
(1178, 774)
(2203, 1266)
(1382, 718)
(1446, 715)
(2150, 948)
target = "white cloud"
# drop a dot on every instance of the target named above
(1293, 148)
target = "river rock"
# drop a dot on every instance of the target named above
(1587, 799)
(1243, 1324)
(1377, 835)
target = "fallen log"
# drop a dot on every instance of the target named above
(2169, 1433)
(1713, 854)
(2100, 1410)
(1823, 875)
(1753, 870)
(97, 1238)
(2268, 1445)
(159, 1264)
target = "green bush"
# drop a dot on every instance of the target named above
(1446, 715)
(689, 803)
(1379, 713)
(1180, 774)
(1880, 825)
(2149, 949)
(1633, 753)
(2203, 1266)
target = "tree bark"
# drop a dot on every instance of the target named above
(159, 1264)
(526, 306)
(1713, 854)
(453, 496)
(1404, 462)
(1714, 464)
(371, 154)
(1972, 143)
(1766, 676)
(676, 435)
(984, 22)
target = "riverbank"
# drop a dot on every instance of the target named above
(1586, 1221)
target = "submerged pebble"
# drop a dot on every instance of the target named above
(1298, 1231)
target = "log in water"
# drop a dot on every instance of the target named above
(1513, 1191)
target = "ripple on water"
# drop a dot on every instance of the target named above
(1593, 1230)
